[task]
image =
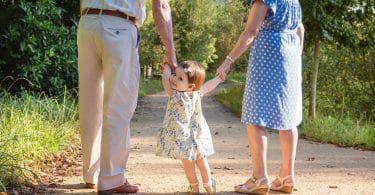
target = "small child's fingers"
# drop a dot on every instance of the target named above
(222, 78)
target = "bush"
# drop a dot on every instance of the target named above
(37, 46)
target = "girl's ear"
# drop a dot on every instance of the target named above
(191, 86)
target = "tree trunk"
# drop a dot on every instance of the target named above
(313, 80)
(147, 71)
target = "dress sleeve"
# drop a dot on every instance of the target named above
(270, 4)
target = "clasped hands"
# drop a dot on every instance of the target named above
(221, 72)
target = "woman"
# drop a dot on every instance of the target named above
(273, 94)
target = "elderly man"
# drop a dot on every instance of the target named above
(109, 72)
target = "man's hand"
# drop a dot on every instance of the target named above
(171, 61)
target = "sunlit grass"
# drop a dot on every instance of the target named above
(149, 86)
(33, 127)
(341, 130)
(336, 129)
(231, 97)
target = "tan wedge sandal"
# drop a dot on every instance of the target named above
(193, 188)
(257, 188)
(283, 187)
(210, 189)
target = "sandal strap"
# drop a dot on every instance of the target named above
(194, 184)
(282, 179)
(258, 181)
(256, 184)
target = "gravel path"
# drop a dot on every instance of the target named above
(320, 168)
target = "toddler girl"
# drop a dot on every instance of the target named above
(185, 134)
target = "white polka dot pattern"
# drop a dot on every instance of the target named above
(273, 92)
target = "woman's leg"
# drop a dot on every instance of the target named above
(288, 141)
(257, 138)
(189, 168)
(205, 170)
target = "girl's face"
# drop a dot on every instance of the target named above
(179, 80)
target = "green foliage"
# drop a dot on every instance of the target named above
(32, 127)
(345, 25)
(231, 23)
(201, 35)
(346, 84)
(151, 48)
(36, 45)
(194, 29)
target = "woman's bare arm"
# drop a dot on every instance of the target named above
(165, 80)
(255, 19)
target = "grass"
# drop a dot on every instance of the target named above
(341, 131)
(149, 86)
(32, 127)
(231, 97)
(336, 129)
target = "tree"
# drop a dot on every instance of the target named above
(334, 21)
(151, 48)
(194, 33)
(194, 25)
(232, 21)
(36, 45)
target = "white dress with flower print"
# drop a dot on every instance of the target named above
(185, 134)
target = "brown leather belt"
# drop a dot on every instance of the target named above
(109, 12)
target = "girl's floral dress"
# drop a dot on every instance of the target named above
(185, 134)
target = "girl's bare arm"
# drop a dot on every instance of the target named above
(165, 80)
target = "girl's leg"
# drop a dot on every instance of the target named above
(189, 168)
(257, 138)
(205, 170)
(208, 183)
(288, 141)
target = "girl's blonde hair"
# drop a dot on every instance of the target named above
(195, 73)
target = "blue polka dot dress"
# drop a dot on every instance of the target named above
(273, 92)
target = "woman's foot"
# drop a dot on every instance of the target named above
(193, 188)
(283, 184)
(254, 186)
(210, 188)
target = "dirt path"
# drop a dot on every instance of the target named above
(320, 168)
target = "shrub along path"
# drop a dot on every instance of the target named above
(320, 168)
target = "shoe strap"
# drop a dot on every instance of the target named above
(210, 184)
(258, 181)
(282, 179)
(193, 187)
(194, 184)
(257, 184)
